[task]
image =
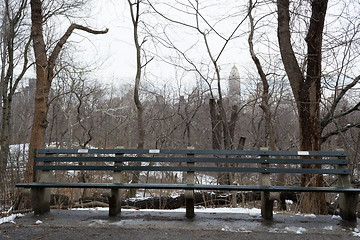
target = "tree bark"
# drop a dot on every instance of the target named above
(265, 96)
(306, 90)
(215, 125)
(232, 124)
(135, 16)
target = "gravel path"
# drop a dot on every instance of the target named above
(142, 224)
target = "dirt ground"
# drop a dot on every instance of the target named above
(143, 224)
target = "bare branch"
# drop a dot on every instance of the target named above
(65, 37)
(341, 130)
(329, 117)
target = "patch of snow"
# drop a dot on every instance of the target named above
(254, 212)
(38, 222)
(330, 228)
(10, 209)
(205, 179)
(242, 230)
(91, 209)
(297, 230)
(10, 219)
(175, 195)
(138, 199)
(287, 201)
(336, 217)
(309, 215)
(121, 223)
(356, 232)
(273, 230)
(98, 222)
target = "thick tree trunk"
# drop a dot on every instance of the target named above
(306, 90)
(42, 86)
(44, 75)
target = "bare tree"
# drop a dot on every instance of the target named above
(265, 96)
(306, 78)
(45, 66)
(135, 18)
(306, 89)
(204, 28)
(15, 42)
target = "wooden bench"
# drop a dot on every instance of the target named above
(262, 164)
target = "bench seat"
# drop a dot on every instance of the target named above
(188, 187)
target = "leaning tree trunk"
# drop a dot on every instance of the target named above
(44, 75)
(42, 86)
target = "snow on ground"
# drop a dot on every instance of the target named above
(297, 230)
(252, 212)
(356, 232)
(10, 219)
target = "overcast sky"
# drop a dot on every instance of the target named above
(116, 51)
(112, 55)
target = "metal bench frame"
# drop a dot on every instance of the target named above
(50, 160)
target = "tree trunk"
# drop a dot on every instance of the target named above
(5, 134)
(232, 124)
(44, 75)
(306, 90)
(10, 38)
(135, 15)
(265, 96)
(215, 125)
(42, 86)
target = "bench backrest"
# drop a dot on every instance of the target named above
(230, 161)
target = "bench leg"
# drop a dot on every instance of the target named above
(40, 200)
(115, 202)
(348, 203)
(266, 206)
(189, 203)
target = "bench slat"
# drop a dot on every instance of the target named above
(196, 152)
(195, 169)
(188, 187)
(195, 159)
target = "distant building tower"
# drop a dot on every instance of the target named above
(234, 85)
